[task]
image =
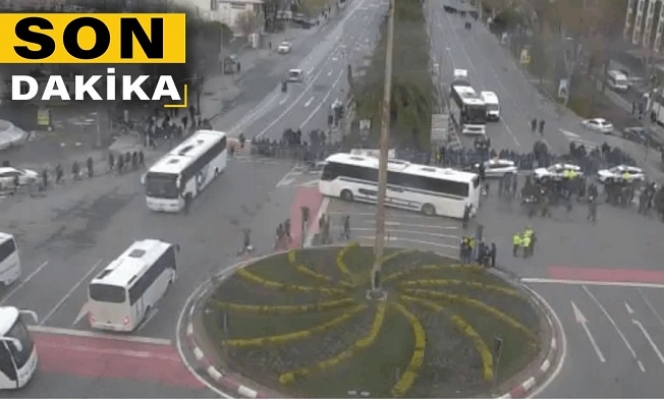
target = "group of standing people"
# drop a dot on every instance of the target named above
(485, 254)
(524, 241)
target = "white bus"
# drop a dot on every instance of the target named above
(430, 190)
(125, 292)
(468, 110)
(617, 81)
(185, 171)
(18, 353)
(10, 262)
(492, 105)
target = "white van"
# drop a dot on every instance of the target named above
(124, 293)
(10, 262)
(295, 75)
(617, 81)
(460, 76)
(492, 105)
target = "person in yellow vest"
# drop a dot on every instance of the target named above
(573, 174)
(530, 234)
(566, 174)
(627, 176)
(526, 242)
(516, 243)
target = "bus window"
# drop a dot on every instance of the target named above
(7, 248)
(107, 293)
(20, 332)
(6, 364)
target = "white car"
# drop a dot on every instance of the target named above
(636, 174)
(598, 125)
(556, 171)
(284, 47)
(9, 174)
(295, 75)
(497, 168)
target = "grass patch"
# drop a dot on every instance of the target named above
(374, 351)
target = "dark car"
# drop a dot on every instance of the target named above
(644, 136)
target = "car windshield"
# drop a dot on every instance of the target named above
(20, 332)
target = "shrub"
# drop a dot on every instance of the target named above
(341, 263)
(458, 282)
(453, 298)
(287, 286)
(288, 337)
(362, 343)
(465, 328)
(276, 309)
(407, 379)
(304, 270)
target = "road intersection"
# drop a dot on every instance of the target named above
(72, 234)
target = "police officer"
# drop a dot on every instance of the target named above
(526, 242)
(516, 243)
(530, 234)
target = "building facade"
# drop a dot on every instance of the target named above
(228, 12)
(644, 24)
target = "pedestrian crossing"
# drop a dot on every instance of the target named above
(402, 228)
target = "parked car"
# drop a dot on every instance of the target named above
(8, 176)
(284, 48)
(497, 168)
(556, 171)
(617, 172)
(598, 125)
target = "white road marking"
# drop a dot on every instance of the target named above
(324, 101)
(651, 308)
(615, 326)
(310, 71)
(629, 309)
(254, 114)
(98, 335)
(329, 73)
(408, 232)
(84, 311)
(390, 238)
(288, 178)
(70, 292)
(593, 283)
(581, 320)
(391, 223)
(649, 339)
(308, 103)
(284, 100)
(23, 282)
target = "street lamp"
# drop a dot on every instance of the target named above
(382, 166)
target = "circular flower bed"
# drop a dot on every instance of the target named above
(301, 323)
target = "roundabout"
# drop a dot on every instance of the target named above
(295, 322)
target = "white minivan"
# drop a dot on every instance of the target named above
(10, 263)
(617, 81)
(492, 105)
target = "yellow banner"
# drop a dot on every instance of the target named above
(93, 38)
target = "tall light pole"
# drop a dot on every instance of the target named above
(379, 245)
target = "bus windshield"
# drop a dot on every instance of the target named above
(475, 114)
(20, 332)
(107, 293)
(493, 107)
(162, 186)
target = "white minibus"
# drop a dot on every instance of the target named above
(617, 81)
(185, 171)
(10, 262)
(124, 293)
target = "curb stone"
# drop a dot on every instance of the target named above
(523, 389)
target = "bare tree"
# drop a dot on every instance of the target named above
(247, 23)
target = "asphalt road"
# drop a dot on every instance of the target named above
(306, 104)
(619, 250)
(74, 232)
(490, 67)
(266, 111)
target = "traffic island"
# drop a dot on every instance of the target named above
(301, 324)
